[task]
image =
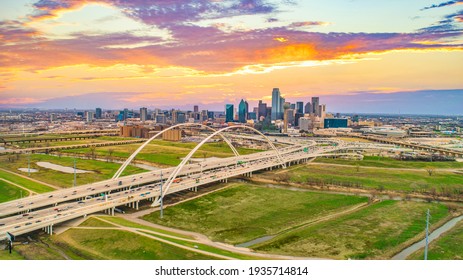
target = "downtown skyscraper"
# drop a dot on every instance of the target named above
(277, 104)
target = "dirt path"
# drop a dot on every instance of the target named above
(21, 187)
(33, 180)
(375, 167)
(139, 232)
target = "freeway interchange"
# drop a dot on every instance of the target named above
(45, 210)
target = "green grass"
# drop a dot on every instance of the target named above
(448, 246)
(192, 244)
(93, 222)
(375, 232)
(9, 192)
(122, 245)
(165, 152)
(243, 212)
(38, 251)
(389, 179)
(28, 184)
(126, 223)
(208, 248)
(376, 161)
(5, 255)
(101, 170)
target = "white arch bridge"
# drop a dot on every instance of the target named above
(46, 210)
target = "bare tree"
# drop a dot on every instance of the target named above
(92, 152)
(110, 154)
(430, 170)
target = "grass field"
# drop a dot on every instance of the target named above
(375, 232)
(243, 212)
(121, 245)
(388, 179)
(376, 161)
(93, 222)
(449, 246)
(100, 170)
(126, 223)
(165, 152)
(28, 184)
(9, 192)
(174, 237)
(5, 255)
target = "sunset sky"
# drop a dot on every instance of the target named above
(381, 55)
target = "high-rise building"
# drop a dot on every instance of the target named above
(143, 114)
(181, 118)
(52, 117)
(196, 109)
(89, 116)
(292, 106)
(98, 113)
(229, 112)
(300, 107)
(126, 114)
(308, 108)
(174, 115)
(161, 118)
(315, 104)
(277, 104)
(261, 110)
(322, 111)
(243, 111)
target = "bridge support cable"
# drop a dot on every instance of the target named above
(185, 160)
(129, 160)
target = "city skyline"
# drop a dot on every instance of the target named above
(56, 54)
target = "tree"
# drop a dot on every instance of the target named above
(92, 152)
(110, 154)
(431, 170)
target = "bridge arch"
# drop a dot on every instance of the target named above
(179, 167)
(129, 160)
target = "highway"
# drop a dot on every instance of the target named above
(59, 206)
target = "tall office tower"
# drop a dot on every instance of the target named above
(143, 114)
(229, 112)
(98, 113)
(181, 118)
(242, 111)
(286, 112)
(300, 107)
(160, 118)
(315, 104)
(52, 117)
(126, 114)
(290, 114)
(322, 111)
(196, 109)
(174, 114)
(204, 115)
(261, 110)
(292, 106)
(277, 104)
(308, 108)
(89, 116)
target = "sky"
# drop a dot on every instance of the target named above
(372, 56)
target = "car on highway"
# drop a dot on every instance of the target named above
(28, 224)
(50, 196)
(17, 226)
(2, 225)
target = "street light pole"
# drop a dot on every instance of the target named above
(161, 196)
(29, 165)
(74, 171)
(427, 236)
